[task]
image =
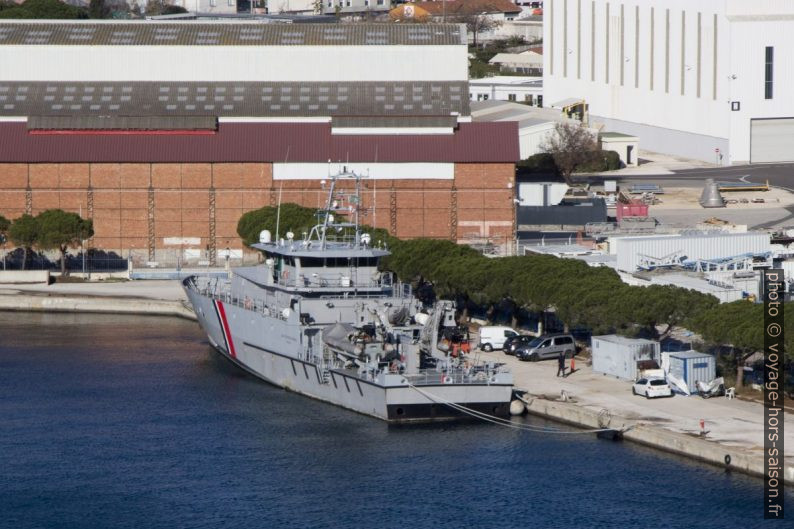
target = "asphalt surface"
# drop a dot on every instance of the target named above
(779, 175)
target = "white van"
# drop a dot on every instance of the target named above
(494, 337)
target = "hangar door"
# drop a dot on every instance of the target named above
(772, 140)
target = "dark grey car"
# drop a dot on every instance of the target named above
(547, 346)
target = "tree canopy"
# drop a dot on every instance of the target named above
(45, 9)
(293, 218)
(571, 145)
(60, 230)
(24, 232)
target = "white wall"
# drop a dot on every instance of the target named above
(209, 6)
(531, 139)
(748, 40)
(615, 75)
(372, 171)
(666, 84)
(238, 63)
(530, 31)
(479, 88)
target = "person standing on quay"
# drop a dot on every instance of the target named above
(561, 364)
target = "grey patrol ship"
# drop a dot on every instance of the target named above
(319, 318)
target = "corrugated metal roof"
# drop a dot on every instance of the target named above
(265, 142)
(122, 123)
(234, 99)
(198, 33)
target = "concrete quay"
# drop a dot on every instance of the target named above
(164, 298)
(734, 427)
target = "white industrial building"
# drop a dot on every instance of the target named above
(706, 79)
(527, 90)
(662, 251)
(534, 123)
(218, 51)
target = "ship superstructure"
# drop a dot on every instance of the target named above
(320, 318)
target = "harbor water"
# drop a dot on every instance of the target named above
(132, 422)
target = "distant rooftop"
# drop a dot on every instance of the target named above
(223, 33)
(509, 80)
(525, 115)
(616, 136)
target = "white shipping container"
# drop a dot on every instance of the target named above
(692, 366)
(630, 250)
(618, 356)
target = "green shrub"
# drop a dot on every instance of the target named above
(542, 162)
(47, 9)
(600, 161)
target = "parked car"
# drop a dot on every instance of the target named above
(494, 337)
(514, 342)
(546, 346)
(652, 388)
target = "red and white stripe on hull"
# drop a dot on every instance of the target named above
(227, 335)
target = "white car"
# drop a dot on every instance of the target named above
(652, 387)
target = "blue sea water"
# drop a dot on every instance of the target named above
(134, 422)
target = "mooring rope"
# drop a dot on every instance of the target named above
(504, 422)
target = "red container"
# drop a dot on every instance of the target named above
(631, 210)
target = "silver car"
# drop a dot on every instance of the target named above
(545, 347)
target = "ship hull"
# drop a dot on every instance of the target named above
(245, 337)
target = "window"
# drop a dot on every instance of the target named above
(509, 334)
(380, 2)
(547, 343)
(231, 2)
(563, 340)
(511, 97)
(770, 56)
(213, 3)
(485, 97)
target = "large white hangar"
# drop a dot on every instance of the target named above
(706, 79)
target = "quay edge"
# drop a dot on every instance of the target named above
(691, 446)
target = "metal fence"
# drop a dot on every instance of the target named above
(89, 261)
(132, 260)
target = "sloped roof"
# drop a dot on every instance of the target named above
(469, 7)
(528, 59)
(262, 142)
(200, 33)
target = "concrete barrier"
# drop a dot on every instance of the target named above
(24, 276)
(741, 460)
(29, 303)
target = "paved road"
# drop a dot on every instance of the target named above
(780, 175)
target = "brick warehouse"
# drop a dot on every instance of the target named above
(156, 156)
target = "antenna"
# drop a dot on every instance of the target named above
(280, 189)
(278, 211)
(374, 193)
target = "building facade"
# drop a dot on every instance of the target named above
(705, 79)
(166, 133)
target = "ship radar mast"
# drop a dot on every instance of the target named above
(340, 204)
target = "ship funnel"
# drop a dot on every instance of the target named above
(265, 237)
(711, 198)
